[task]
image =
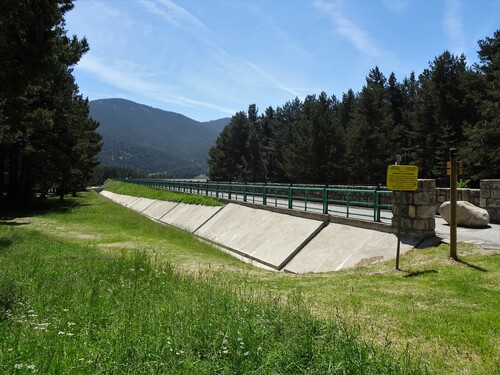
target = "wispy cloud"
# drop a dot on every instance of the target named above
(250, 73)
(127, 76)
(197, 104)
(346, 28)
(453, 25)
(397, 6)
(175, 15)
(180, 17)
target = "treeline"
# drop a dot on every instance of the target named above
(47, 139)
(328, 140)
(105, 172)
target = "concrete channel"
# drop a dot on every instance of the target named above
(278, 239)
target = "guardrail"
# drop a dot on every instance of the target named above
(327, 200)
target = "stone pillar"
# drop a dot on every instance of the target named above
(490, 198)
(418, 210)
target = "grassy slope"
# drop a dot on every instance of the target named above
(145, 192)
(445, 312)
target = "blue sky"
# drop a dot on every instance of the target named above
(208, 59)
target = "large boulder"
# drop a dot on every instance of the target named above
(468, 215)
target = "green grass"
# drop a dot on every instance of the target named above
(166, 195)
(72, 308)
(86, 257)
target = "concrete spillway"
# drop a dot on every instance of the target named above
(275, 240)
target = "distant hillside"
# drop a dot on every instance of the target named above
(152, 140)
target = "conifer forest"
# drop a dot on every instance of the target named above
(351, 140)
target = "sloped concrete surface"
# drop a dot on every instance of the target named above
(189, 216)
(341, 246)
(159, 209)
(141, 204)
(268, 237)
(271, 239)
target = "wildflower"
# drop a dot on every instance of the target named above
(61, 333)
(246, 354)
(18, 366)
(71, 324)
(42, 326)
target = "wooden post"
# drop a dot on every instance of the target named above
(453, 203)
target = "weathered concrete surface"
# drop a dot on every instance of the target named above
(159, 209)
(341, 246)
(124, 200)
(189, 216)
(141, 204)
(107, 194)
(273, 240)
(488, 237)
(268, 237)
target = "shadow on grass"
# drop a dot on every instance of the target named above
(38, 208)
(4, 242)
(419, 273)
(471, 265)
(10, 223)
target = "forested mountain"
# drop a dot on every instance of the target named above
(327, 140)
(152, 140)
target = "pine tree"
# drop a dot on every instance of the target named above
(482, 152)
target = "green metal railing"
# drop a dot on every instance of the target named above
(326, 200)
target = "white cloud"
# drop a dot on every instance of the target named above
(127, 76)
(198, 104)
(175, 15)
(346, 28)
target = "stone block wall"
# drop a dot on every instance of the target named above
(490, 198)
(469, 195)
(417, 210)
(487, 197)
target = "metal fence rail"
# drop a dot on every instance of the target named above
(361, 203)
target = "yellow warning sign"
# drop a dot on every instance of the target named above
(402, 177)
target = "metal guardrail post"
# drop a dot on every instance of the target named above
(348, 200)
(320, 195)
(325, 201)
